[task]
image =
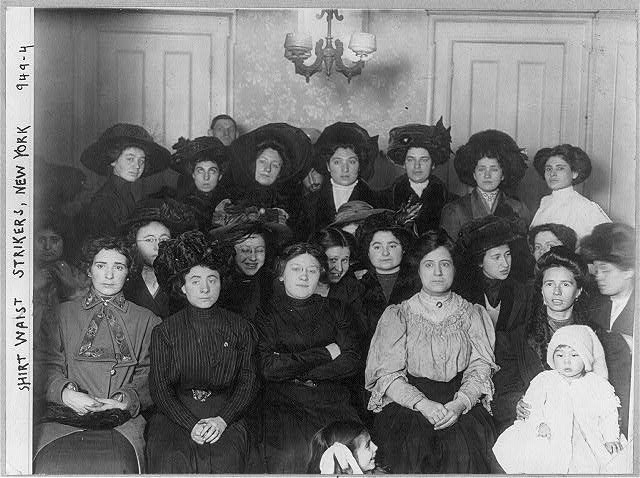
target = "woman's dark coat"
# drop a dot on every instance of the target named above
(433, 199)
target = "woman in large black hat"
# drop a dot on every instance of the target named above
(419, 149)
(266, 169)
(203, 375)
(201, 161)
(345, 154)
(124, 153)
(483, 277)
(611, 248)
(152, 222)
(562, 167)
(490, 162)
(255, 236)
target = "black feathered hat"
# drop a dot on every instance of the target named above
(399, 223)
(613, 242)
(292, 144)
(577, 159)
(177, 256)
(492, 144)
(203, 148)
(233, 223)
(346, 134)
(178, 217)
(480, 235)
(120, 136)
(435, 139)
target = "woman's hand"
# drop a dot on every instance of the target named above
(208, 430)
(454, 410)
(613, 446)
(334, 350)
(109, 403)
(432, 411)
(523, 410)
(79, 402)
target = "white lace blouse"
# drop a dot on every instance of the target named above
(436, 339)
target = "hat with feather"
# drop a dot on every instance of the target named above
(435, 139)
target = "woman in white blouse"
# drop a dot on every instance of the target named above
(429, 371)
(562, 167)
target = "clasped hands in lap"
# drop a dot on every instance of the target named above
(82, 403)
(439, 415)
(208, 430)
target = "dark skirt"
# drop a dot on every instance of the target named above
(88, 452)
(170, 448)
(293, 413)
(409, 444)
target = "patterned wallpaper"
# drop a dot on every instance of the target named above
(390, 91)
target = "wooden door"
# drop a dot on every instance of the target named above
(166, 72)
(521, 75)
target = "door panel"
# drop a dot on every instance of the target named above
(166, 72)
(516, 74)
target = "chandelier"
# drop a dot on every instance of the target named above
(297, 48)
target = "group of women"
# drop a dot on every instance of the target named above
(217, 328)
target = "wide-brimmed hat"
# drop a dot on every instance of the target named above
(577, 159)
(176, 216)
(177, 256)
(494, 144)
(352, 134)
(232, 223)
(296, 151)
(613, 242)
(187, 150)
(480, 235)
(435, 139)
(120, 136)
(355, 211)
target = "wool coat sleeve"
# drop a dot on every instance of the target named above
(348, 362)
(278, 365)
(51, 359)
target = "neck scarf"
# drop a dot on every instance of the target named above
(104, 309)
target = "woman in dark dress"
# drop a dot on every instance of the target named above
(491, 163)
(338, 282)
(152, 222)
(429, 372)
(56, 277)
(345, 154)
(255, 239)
(92, 369)
(611, 249)
(266, 170)
(419, 149)
(203, 374)
(201, 162)
(307, 352)
(383, 241)
(559, 299)
(124, 153)
(484, 278)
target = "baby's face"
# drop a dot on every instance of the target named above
(568, 363)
